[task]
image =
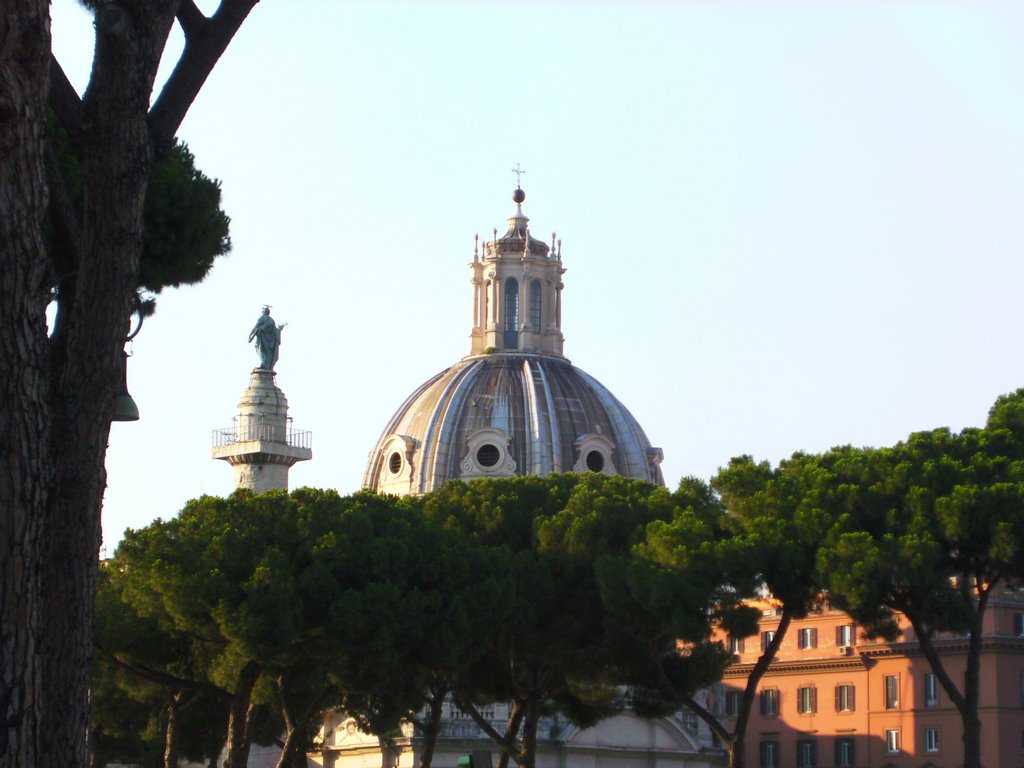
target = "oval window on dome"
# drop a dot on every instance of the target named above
(395, 463)
(595, 461)
(488, 455)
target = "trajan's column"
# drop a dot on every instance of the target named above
(261, 445)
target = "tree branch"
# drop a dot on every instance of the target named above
(204, 45)
(165, 678)
(467, 706)
(924, 641)
(191, 19)
(709, 719)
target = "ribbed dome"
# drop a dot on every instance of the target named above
(515, 405)
(508, 414)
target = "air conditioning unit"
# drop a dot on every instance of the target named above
(846, 650)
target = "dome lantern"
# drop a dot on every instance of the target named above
(517, 292)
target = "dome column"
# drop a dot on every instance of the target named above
(261, 446)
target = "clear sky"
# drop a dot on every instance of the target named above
(787, 225)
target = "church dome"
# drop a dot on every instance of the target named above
(515, 405)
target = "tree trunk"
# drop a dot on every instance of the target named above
(25, 468)
(56, 397)
(966, 701)
(434, 712)
(116, 167)
(171, 731)
(292, 754)
(528, 751)
(735, 742)
(972, 689)
(515, 718)
(239, 713)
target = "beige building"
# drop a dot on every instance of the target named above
(623, 741)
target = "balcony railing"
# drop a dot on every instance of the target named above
(263, 433)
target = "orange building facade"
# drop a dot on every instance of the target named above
(833, 698)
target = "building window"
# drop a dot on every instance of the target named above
(766, 638)
(488, 455)
(931, 690)
(535, 305)
(1018, 624)
(511, 314)
(690, 721)
(736, 644)
(892, 741)
(770, 702)
(931, 739)
(844, 635)
(732, 703)
(892, 691)
(395, 463)
(845, 698)
(806, 753)
(769, 754)
(807, 638)
(844, 752)
(807, 700)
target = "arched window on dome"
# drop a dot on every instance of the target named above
(511, 313)
(535, 305)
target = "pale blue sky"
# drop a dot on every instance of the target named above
(787, 226)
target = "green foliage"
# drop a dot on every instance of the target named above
(184, 228)
(361, 601)
(138, 669)
(930, 528)
(499, 512)
(936, 521)
(566, 545)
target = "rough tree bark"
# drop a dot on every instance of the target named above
(24, 384)
(117, 159)
(58, 394)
